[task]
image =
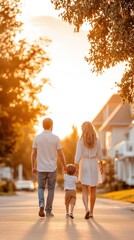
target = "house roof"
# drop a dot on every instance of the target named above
(119, 114)
(113, 101)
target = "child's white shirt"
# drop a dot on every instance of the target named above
(70, 182)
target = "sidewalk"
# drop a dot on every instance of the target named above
(19, 220)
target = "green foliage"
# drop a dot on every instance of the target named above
(22, 153)
(127, 84)
(111, 35)
(109, 181)
(69, 147)
(20, 63)
(6, 186)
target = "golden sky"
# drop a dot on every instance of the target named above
(76, 94)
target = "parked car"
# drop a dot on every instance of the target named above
(25, 185)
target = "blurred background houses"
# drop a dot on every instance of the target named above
(115, 127)
(6, 175)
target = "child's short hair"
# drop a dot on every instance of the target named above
(71, 169)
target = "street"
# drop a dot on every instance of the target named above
(19, 219)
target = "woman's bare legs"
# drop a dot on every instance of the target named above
(85, 192)
(92, 199)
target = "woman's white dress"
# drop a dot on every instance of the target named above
(89, 171)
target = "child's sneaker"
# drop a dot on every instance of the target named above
(67, 215)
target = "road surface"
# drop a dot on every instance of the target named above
(19, 220)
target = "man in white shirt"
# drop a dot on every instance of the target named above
(45, 148)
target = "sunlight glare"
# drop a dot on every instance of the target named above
(38, 8)
(76, 94)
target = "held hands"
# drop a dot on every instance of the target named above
(64, 169)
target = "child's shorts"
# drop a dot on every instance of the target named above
(70, 197)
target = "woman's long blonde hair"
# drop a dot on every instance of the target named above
(89, 135)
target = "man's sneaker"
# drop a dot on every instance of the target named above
(41, 212)
(49, 214)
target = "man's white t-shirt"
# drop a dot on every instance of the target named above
(70, 182)
(47, 144)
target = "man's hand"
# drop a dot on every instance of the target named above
(34, 171)
(33, 160)
(65, 169)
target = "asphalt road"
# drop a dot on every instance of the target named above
(19, 220)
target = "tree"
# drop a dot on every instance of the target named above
(22, 154)
(111, 35)
(108, 176)
(69, 147)
(20, 63)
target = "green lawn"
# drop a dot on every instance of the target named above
(123, 195)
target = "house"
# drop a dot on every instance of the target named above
(6, 169)
(6, 175)
(125, 157)
(116, 132)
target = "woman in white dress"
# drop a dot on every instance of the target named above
(88, 158)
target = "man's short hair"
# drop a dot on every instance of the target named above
(47, 123)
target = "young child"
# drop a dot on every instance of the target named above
(70, 189)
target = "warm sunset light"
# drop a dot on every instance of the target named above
(66, 131)
(75, 94)
(39, 8)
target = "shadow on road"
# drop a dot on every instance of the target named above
(38, 231)
(98, 232)
(71, 230)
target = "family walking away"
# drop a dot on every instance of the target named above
(45, 148)
(88, 154)
(87, 168)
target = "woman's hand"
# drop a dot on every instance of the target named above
(77, 169)
(101, 166)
